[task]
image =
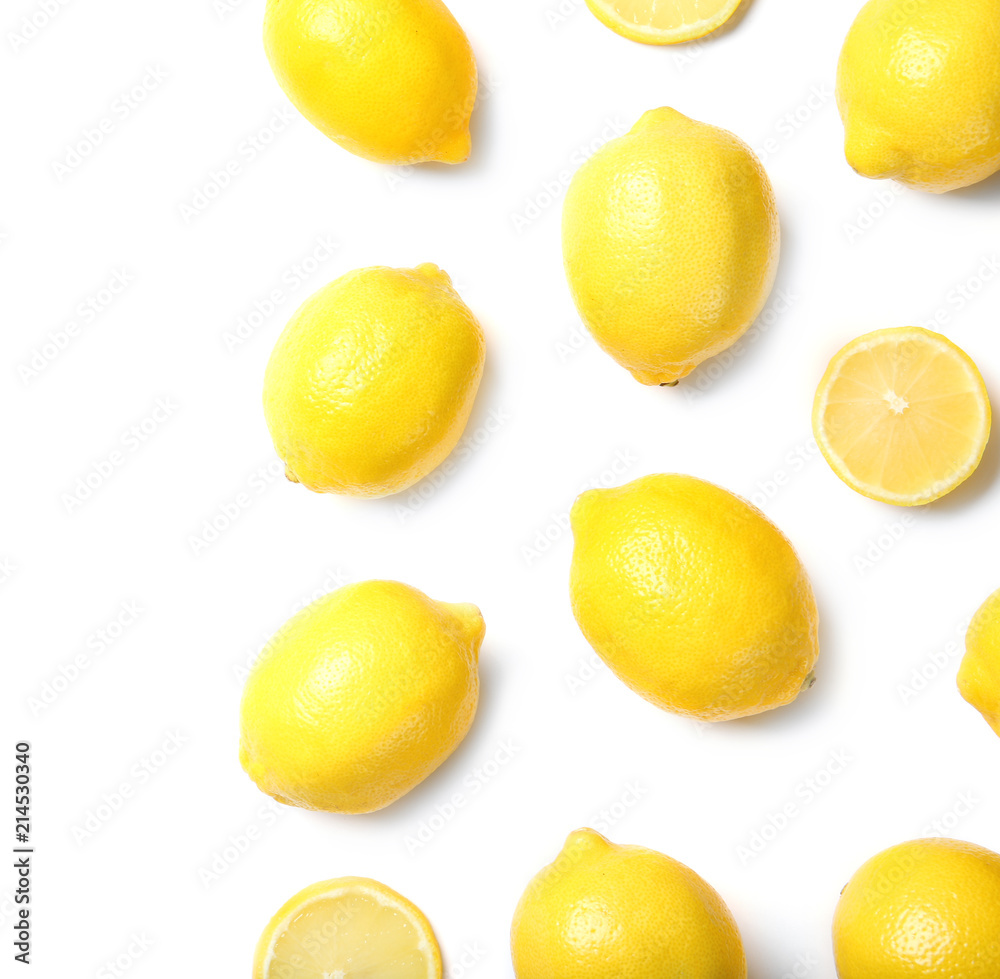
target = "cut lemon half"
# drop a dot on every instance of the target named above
(663, 21)
(348, 928)
(902, 415)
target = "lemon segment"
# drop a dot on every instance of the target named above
(902, 415)
(348, 928)
(663, 21)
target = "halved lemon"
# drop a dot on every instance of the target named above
(902, 415)
(348, 928)
(663, 21)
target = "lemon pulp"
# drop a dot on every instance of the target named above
(351, 928)
(663, 21)
(902, 415)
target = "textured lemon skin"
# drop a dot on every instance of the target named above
(392, 81)
(979, 674)
(370, 385)
(604, 11)
(360, 696)
(670, 243)
(928, 909)
(692, 597)
(918, 86)
(603, 911)
(324, 888)
(912, 337)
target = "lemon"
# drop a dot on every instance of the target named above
(929, 909)
(979, 674)
(918, 87)
(360, 696)
(692, 597)
(393, 81)
(902, 415)
(670, 242)
(602, 911)
(348, 928)
(659, 22)
(372, 381)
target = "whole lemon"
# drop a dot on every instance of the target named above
(918, 87)
(670, 241)
(372, 381)
(928, 909)
(692, 597)
(393, 81)
(602, 911)
(360, 696)
(979, 674)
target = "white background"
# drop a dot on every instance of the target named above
(895, 587)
